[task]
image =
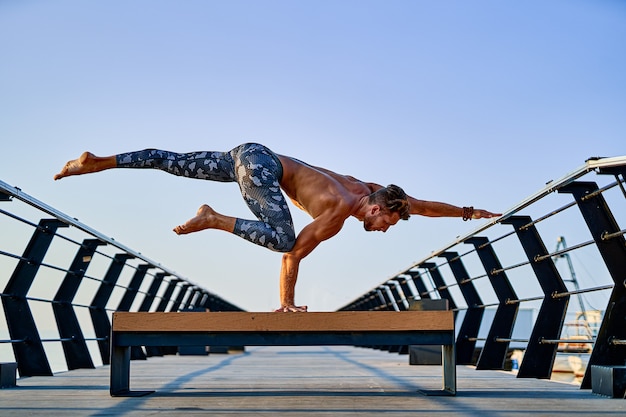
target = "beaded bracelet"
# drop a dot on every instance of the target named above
(468, 212)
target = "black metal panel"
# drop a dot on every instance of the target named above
(208, 302)
(493, 355)
(397, 297)
(133, 287)
(601, 221)
(129, 297)
(468, 332)
(422, 290)
(368, 301)
(153, 290)
(539, 357)
(167, 295)
(388, 302)
(440, 284)
(99, 315)
(393, 287)
(617, 170)
(74, 346)
(147, 303)
(30, 355)
(406, 289)
(187, 304)
(179, 297)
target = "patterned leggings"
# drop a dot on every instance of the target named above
(254, 167)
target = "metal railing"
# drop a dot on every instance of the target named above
(61, 286)
(507, 264)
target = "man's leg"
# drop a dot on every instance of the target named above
(214, 166)
(258, 172)
(255, 168)
(85, 164)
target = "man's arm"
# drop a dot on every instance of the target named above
(321, 228)
(437, 209)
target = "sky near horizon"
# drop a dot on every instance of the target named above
(471, 103)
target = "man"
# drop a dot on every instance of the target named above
(329, 198)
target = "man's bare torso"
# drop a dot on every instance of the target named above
(315, 189)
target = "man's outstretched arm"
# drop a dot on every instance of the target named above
(437, 209)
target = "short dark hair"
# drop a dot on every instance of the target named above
(392, 199)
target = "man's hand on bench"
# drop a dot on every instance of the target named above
(291, 309)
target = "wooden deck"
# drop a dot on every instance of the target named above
(298, 381)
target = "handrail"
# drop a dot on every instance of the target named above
(167, 291)
(591, 164)
(22, 196)
(408, 289)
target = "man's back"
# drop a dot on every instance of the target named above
(316, 190)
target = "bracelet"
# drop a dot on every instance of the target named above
(468, 212)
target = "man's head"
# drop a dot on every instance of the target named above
(388, 205)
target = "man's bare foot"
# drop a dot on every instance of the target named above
(84, 164)
(291, 309)
(206, 218)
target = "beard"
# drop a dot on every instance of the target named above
(367, 225)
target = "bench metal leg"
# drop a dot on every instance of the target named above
(449, 373)
(120, 373)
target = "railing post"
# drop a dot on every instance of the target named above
(388, 302)
(601, 222)
(539, 357)
(398, 297)
(167, 295)
(190, 298)
(133, 287)
(422, 291)
(153, 290)
(99, 315)
(74, 346)
(180, 296)
(147, 303)
(493, 355)
(136, 353)
(393, 286)
(30, 355)
(466, 339)
(4, 196)
(406, 289)
(166, 298)
(440, 284)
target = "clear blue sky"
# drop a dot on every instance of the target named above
(468, 102)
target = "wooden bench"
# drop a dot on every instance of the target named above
(351, 328)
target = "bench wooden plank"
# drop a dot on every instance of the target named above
(347, 321)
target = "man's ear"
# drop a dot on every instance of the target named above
(375, 210)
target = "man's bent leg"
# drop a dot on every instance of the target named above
(258, 172)
(206, 218)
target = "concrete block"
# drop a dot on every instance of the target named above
(428, 305)
(609, 381)
(8, 372)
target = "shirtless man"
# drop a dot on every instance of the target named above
(329, 198)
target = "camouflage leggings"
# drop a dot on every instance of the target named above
(254, 167)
